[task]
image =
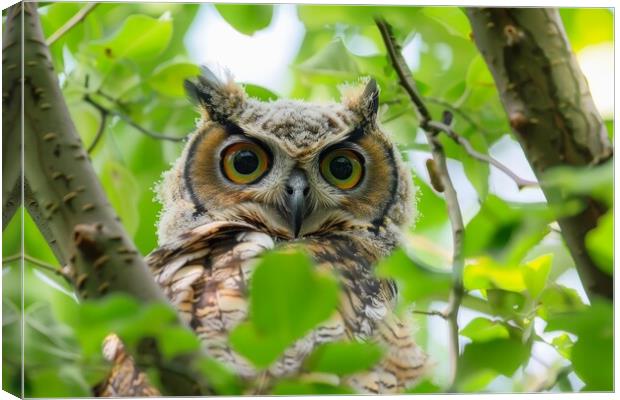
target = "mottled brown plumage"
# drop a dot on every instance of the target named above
(213, 226)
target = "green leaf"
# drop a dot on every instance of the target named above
(491, 228)
(425, 386)
(287, 299)
(587, 26)
(132, 322)
(506, 303)
(289, 387)
(61, 381)
(140, 38)
(454, 20)
(480, 82)
(343, 358)
(480, 361)
(259, 92)
(507, 231)
(259, 348)
(475, 381)
(415, 283)
(563, 344)
(600, 243)
(594, 329)
(596, 181)
(535, 274)
(334, 59)
(485, 273)
(314, 16)
(484, 330)
(220, 377)
(558, 299)
(178, 340)
(319, 16)
(123, 192)
(477, 172)
(432, 214)
(168, 78)
(246, 18)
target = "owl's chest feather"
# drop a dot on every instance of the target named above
(206, 275)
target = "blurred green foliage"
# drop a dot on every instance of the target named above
(130, 58)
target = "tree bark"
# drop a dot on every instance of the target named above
(65, 198)
(11, 122)
(551, 111)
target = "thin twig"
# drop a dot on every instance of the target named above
(395, 116)
(431, 313)
(104, 117)
(521, 183)
(36, 262)
(454, 211)
(70, 24)
(459, 111)
(128, 120)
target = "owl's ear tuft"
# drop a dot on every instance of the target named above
(218, 100)
(363, 99)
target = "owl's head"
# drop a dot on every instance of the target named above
(292, 169)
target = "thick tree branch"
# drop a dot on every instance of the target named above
(68, 203)
(11, 121)
(454, 211)
(551, 111)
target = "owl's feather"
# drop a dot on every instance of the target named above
(212, 230)
(206, 273)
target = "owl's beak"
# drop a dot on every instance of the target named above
(297, 189)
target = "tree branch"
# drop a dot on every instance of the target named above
(70, 24)
(454, 211)
(106, 111)
(521, 183)
(100, 130)
(431, 313)
(12, 149)
(35, 261)
(551, 112)
(69, 205)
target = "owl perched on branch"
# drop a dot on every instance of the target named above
(260, 175)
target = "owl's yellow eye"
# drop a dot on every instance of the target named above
(342, 168)
(245, 162)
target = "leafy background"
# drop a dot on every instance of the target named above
(526, 324)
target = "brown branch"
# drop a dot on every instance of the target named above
(551, 112)
(459, 111)
(106, 111)
(454, 211)
(69, 205)
(431, 313)
(70, 24)
(521, 183)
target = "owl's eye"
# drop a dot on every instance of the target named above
(342, 168)
(245, 162)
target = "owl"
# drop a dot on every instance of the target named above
(261, 175)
